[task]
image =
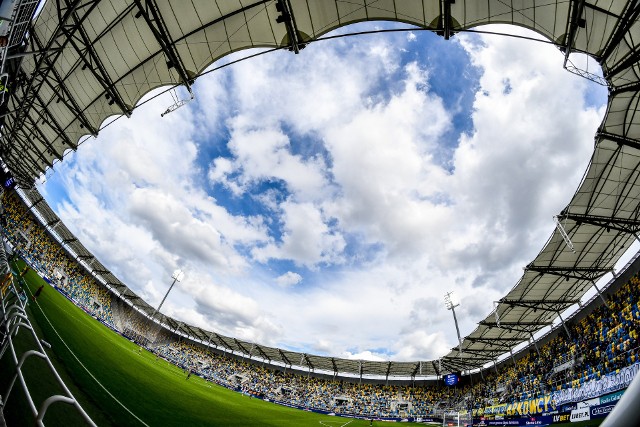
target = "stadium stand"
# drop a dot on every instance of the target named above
(41, 251)
(602, 342)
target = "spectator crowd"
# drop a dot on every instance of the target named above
(599, 343)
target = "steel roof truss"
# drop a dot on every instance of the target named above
(625, 22)
(576, 21)
(286, 17)
(91, 61)
(631, 226)
(42, 67)
(309, 364)
(264, 355)
(629, 87)
(284, 357)
(243, 348)
(620, 140)
(540, 304)
(578, 273)
(152, 16)
(65, 97)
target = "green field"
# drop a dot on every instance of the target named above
(151, 392)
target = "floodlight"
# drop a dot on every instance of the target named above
(178, 275)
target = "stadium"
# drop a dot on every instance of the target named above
(81, 347)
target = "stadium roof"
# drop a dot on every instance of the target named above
(89, 60)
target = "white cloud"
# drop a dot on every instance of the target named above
(289, 279)
(364, 209)
(306, 240)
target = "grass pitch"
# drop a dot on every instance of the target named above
(119, 386)
(101, 368)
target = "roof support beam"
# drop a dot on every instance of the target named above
(494, 324)
(629, 87)
(416, 369)
(445, 23)
(620, 140)
(34, 127)
(624, 225)
(53, 222)
(625, 22)
(243, 348)
(575, 21)
(578, 273)
(306, 359)
(264, 355)
(60, 88)
(284, 357)
(286, 17)
(503, 347)
(544, 305)
(91, 61)
(27, 92)
(478, 351)
(151, 14)
(224, 343)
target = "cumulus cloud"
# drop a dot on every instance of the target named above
(328, 165)
(289, 279)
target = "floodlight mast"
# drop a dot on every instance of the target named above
(177, 276)
(451, 305)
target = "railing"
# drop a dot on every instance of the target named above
(13, 319)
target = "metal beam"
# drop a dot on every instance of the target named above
(539, 304)
(53, 222)
(444, 23)
(486, 323)
(244, 350)
(620, 140)
(478, 351)
(224, 343)
(91, 60)
(416, 369)
(26, 93)
(306, 358)
(287, 18)
(620, 224)
(152, 16)
(284, 357)
(625, 22)
(574, 22)
(264, 355)
(578, 273)
(60, 88)
(630, 87)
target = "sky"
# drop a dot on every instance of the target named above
(325, 202)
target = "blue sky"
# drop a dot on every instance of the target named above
(326, 201)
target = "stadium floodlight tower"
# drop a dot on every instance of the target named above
(177, 276)
(451, 302)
